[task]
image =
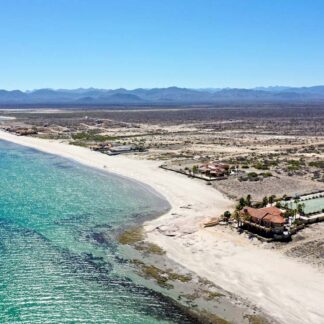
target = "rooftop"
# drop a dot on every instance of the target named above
(270, 214)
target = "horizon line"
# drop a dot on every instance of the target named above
(165, 87)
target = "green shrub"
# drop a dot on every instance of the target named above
(261, 166)
(91, 136)
(317, 164)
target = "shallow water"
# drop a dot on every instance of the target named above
(56, 266)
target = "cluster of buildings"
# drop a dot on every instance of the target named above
(22, 131)
(214, 169)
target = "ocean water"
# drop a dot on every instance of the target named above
(55, 264)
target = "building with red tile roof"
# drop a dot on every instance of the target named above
(214, 169)
(271, 217)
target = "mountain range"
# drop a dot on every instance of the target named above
(171, 95)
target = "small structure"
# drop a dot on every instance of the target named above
(102, 147)
(120, 149)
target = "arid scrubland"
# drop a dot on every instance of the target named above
(274, 149)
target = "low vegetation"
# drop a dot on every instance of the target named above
(135, 237)
(212, 318)
(162, 277)
(149, 248)
(256, 319)
(317, 164)
(211, 295)
(92, 136)
(131, 236)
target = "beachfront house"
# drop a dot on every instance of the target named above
(267, 220)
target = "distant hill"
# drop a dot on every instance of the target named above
(171, 95)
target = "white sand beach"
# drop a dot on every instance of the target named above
(289, 291)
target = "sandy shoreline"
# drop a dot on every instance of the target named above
(289, 291)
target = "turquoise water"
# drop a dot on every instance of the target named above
(56, 266)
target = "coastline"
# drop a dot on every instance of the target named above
(264, 277)
(178, 190)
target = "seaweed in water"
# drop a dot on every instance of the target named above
(73, 219)
(100, 238)
(61, 165)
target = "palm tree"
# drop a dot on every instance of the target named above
(278, 204)
(300, 208)
(242, 202)
(227, 215)
(296, 201)
(271, 199)
(248, 200)
(236, 216)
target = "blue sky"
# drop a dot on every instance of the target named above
(159, 43)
